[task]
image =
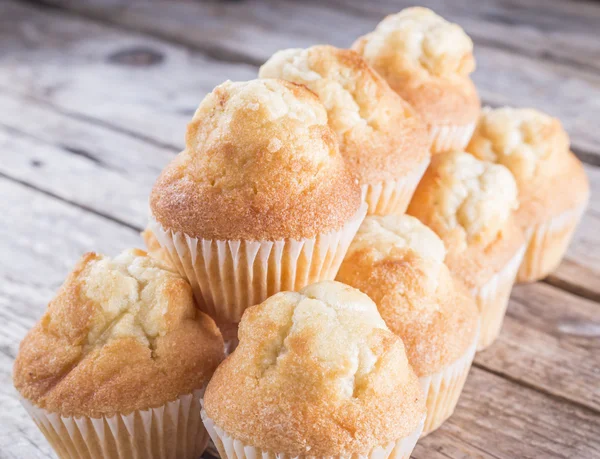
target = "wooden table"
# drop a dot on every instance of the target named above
(94, 100)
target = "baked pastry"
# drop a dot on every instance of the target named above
(470, 205)
(553, 187)
(118, 363)
(155, 249)
(381, 137)
(399, 263)
(427, 60)
(316, 374)
(259, 201)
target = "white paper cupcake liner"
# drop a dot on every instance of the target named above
(492, 300)
(442, 389)
(391, 197)
(230, 448)
(171, 431)
(450, 137)
(229, 276)
(548, 243)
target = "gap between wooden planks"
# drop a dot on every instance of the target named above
(151, 103)
(43, 237)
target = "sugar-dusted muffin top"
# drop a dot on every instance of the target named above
(260, 163)
(399, 263)
(380, 135)
(316, 373)
(470, 204)
(122, 334)
(427, 60)
(535, 147)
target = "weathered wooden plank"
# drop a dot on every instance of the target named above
(491, 407)
(125, 80)
(543, 29)
(252, 31)
(498, 419)
(575, 278)
(550, 340)
(93, 166)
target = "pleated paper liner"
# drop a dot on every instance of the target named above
(442, 390)
(391, 197)
(548, 243)
(230, 448)
(229, 276)
(171, 431)
(492, 300)
(450, 137)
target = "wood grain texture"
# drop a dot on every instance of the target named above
(498, 419)
(550, 340)
(545, 56)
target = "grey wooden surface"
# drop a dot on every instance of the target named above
(94, 99)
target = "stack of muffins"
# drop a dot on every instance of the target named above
(354, 219)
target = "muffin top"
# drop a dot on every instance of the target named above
(535, 147)
(427, 60)
(399, 263)
(318, 373)
(380, 135)
(260, 163)
(122, 334)
(469, 204)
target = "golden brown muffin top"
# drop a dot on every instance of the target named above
(535, 147)
(470, 205)
(427, 60)
(260, 163)
(399, 263)
(121, 335)
(380, 135)
(316, 373)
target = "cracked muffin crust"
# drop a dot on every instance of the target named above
(535, 147)
(260, 163)
(399, 263)
(380, 135)
(426, 60)
(121, 335)
(316, 373)
(470, 205)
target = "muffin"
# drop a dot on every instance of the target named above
(259, 201)
(154, 248)
(427, 60)
(382, 139)
(399, 263)
(553, 188)
(118, 364)
(316, 374)
(470, 205)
